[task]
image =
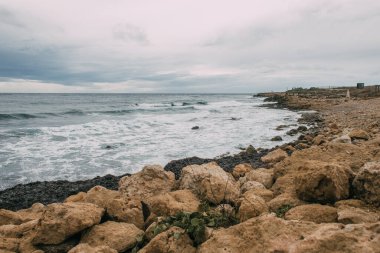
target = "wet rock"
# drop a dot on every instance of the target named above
(276, 138)
(331, 182)
(85, 248)
(60, 221)
(302, 129)
(367, 183)
(173, 202)
(358, 134)
(274, 156)
(251, 150)
(173, 240)
(195, 128)
(210, 181)
(292, 132)
(241, 169)
(117, 235)
(313, 212)
(251, 206)
(152, 180)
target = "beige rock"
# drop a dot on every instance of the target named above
(337, 238)
(9, 244)
(149, 232)
(33, 213)
(274, 156)
(285, 199)
(319, 139)
(328, 184)
(367, 183)
(350, 203)
(211, 182)
(264, 176)
(173, 202)
(100, 196)
(128, 210)
(266, 194)
(79, 197)
(171, 241)
(250, 185)
(352, 215)
(343, 139)
(60, 221)
(270, 234)
(117, 235)
(16, 231)
(85, 248)
(9, 217)
(358, 134)
(251, 206)
(313, 212)
(241, 169)
(284, 184)
(152, 180)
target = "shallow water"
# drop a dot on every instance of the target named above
(80, 136)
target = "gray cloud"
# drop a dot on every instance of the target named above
(130, 33)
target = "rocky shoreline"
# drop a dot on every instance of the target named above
(320, 193)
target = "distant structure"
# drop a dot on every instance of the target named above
(360, 85)
(377, 88)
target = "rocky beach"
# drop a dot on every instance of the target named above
(320, 193)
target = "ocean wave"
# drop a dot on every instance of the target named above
(12, 116)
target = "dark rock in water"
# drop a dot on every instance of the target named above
(195, 128)
(281, 127)
(276, 138)
(292, 132)
(172, 104)
(63, 247)
(302, 128)
(226, 162)
(185, 104)
(108, 147)
(251, 150)
(202, 103)
(24, 195)
(233, 118)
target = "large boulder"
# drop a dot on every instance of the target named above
(100, 196)
(116, 235)
(354, 215)
(270, 234)
(152, 180)
(85, 248)
(266, 194)
(313, 212)
(274, 156)
(329, 183)
(251, 206)
(124, 209)
(171, 241)
(17, 231)
(60, 221)
(211, 182)
(284, 200)
(264, 176)
(173, 202)
(367, 183)
(250, 185)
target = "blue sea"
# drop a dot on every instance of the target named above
(80, 136)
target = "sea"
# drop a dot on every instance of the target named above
(81, 136)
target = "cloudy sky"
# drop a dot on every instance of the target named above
(187, 45)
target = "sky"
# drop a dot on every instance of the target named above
(187, 46)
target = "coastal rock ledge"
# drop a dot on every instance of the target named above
(322, 196)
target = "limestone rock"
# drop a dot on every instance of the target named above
(285, 199)
(350, 203)
(100, 196)
(358, 134)
(79, 197)
(343, 139)
(16, 231)
(266, 194)
(173, 202)
(9, 244)
(313, 212)
(326, 185)
(241, 169)
(367, 183)
(85, 248)
(60, 221)
(264, 176)
(117, 235)
(251, 206)
(319, 139)
(250, 185)
(274, 156)
(152, 180)
(171, 241)
(33, 213)
(128, 210)
(211, 181)
(9, 217)
(352, 215)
